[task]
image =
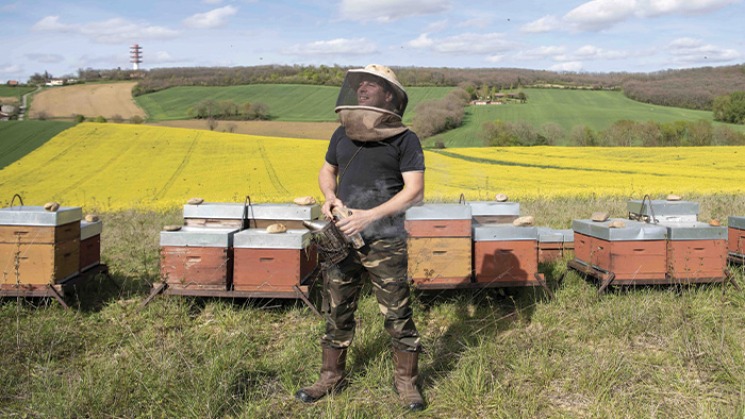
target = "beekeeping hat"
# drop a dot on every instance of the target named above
(396, 98)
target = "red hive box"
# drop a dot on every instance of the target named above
(38, 247)
(696, 252)
(90, 244)
(736, 236)
(195, 258)
(635, 253)
(505, 255)
(273, 263)
(553, 244)
(439, 244)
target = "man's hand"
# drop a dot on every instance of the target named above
(329, 205)
(357, 221)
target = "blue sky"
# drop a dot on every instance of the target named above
(569, 35)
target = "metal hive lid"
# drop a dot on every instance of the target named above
(663, 208)
(198, 237)
(549, 235)
(234, 211)
(89, 229)
(38, 216)
(736, 222)
(256, 238)
(503, 232)
(439, 212)
(480, 208)
(694, 231)
(633, 231)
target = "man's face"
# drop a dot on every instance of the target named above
(370, 92)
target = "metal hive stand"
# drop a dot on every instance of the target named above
(540, 278)
(56, 291)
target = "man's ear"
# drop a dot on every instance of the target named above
(388, 97)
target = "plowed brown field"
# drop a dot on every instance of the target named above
(311, 130)
(89, 100)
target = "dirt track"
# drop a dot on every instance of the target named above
(311, 130)
(90, 100)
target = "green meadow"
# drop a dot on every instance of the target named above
(18, 138)
(8, 91)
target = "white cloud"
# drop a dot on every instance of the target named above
(589, 51)
(46, 58)
(541, 53)
(212, 19)
(10, 68)
(357, 46)
(570, 66)
(663, 7)
(689, 50)
(211, 1)
(437, 26)
(544, 24)
(110, 31)
(161, 57)
(423, 41)
(467, 43)
(495, 58)
(476, 23)
(599, 14)
(389, 10)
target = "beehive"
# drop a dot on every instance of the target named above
(493, 212)
(272, 263)
(39, 247)
(554, 244)
(663, 210)
(736, 236)
(197, 258)
(505, 254)
(634, 253)
(696, 252)
(90, 244)
(439, 244)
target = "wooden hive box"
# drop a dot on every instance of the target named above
(506, 255)
(242, 216)
(439, 244)
(696, 252)
(493, 212)
(663, 210)
(636, 253)
(736, 235)
(553, 244)
(273, 263)
(44, 245)
(90, 244)
(197, 258)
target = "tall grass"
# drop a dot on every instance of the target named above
(633, 352)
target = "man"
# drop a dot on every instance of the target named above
(375, 167)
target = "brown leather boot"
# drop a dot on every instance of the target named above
(405, 376)
(333, 377)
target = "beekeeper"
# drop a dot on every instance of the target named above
(374, 167)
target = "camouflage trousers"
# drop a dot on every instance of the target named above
(384, 261)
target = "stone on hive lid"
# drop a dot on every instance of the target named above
(91, 218)
(616, 224)
(172, 227)
(51, 206)
(276, 228)
(305, 200)
(599, 216)
(673, 197)
(524, 221)
(500, 197)
(714, 222)
(195, 201)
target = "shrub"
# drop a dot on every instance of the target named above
(79, 118)
(137, 119)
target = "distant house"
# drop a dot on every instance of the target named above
(55, 82)
(12, 83)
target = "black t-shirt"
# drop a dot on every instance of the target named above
(370, 174)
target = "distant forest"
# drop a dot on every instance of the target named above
(695, 88)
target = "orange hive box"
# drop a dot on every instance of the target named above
(439, 245)
(38, 247)
(696, 252)
(635, 253)
(553, 244)
(273, 263)
(506, 255)
(90, 244)
(736, 236)
(196, 258)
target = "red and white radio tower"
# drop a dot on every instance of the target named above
(135, 55)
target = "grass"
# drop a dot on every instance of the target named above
(19, 138)
(286, 102)
(17, 92)
(634, 352)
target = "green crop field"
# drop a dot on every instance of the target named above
(567, 108)
(8, 91)
(286, 102)
(18, 138)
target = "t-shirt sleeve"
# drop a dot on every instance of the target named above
(331, 152)
(412, 156)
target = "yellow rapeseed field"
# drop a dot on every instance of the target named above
(106, 167)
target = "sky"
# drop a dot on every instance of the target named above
(596, 36)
